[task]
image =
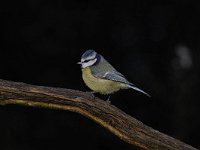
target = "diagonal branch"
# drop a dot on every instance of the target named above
(119, 123)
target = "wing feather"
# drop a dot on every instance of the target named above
(114, 76)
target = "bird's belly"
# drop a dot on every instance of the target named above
(99, 85)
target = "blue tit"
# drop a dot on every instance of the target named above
(100, 76)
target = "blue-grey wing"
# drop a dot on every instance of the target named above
(114, 76)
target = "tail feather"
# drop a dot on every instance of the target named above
(139, 90)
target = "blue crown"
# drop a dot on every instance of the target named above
(88, 53)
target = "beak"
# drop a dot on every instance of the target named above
(79, 63)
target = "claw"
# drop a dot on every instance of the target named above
(91, 93)
(108, 100)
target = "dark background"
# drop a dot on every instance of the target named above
(155, 44)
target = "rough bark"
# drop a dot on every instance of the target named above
(116, 121)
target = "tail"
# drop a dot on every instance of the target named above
(139, 90)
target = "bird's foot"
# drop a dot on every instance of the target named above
(108, 100)
(91, 93)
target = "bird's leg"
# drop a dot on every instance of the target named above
(108, 99)
(91, 93)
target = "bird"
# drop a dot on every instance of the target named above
(101, 77)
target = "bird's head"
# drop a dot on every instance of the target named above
(89, 58)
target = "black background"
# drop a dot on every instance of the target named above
(155, 44)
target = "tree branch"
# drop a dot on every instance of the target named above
(119, 123)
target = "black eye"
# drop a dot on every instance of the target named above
(86, 61)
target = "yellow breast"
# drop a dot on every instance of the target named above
(99, 85)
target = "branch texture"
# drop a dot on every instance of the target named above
(119, 123)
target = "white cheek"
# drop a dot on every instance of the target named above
(89, 63)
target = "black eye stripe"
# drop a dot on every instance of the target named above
(85, 61)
